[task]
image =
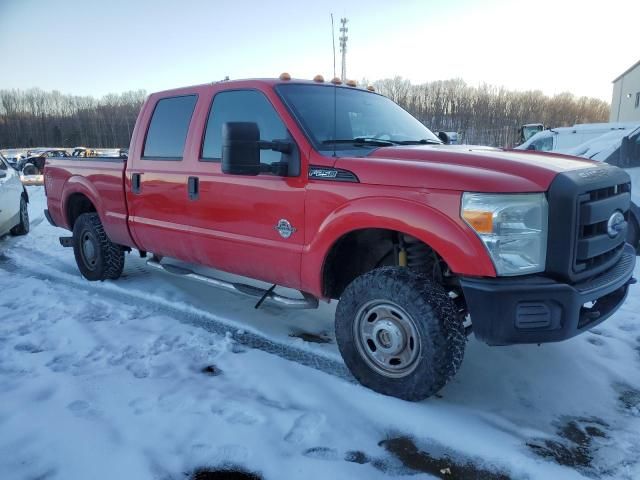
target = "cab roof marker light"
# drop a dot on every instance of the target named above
(371, 88)
(336, 81)
(351, 83)
(284, 76)
(318, 78)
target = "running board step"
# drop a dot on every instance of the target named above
(307, 302)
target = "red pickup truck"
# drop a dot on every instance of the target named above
(339, 193)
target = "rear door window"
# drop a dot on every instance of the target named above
(169, 127)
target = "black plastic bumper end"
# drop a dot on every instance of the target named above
(538, 309)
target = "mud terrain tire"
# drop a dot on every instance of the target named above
(396, 311)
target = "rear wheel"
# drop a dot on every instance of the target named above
(23, 227)
(30, 169)
(98, 258)
(399, 333)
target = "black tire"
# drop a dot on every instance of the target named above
(633, 233)
(22, 228)
(30, 169)
(438, 332)
(98, 258)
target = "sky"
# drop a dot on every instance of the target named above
(89, 47)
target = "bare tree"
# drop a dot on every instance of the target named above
(36, 118)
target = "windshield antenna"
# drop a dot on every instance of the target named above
(335, 101)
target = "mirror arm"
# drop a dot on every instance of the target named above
(281, 146)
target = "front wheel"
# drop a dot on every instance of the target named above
(98, 258)
(399, 333)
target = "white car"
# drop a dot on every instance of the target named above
(14, 215)
(562, 139)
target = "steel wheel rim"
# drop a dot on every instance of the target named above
(89, 250)
(387, 338)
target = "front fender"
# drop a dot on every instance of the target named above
(440, 228)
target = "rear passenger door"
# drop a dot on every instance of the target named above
(158, 200)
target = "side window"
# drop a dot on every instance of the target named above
(543, 144)
(168, 128)
(242, 106)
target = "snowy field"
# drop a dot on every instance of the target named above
(151, 377)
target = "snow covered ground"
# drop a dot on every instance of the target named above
(151, 377)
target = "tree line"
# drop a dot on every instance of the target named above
(35, 118)
(489, 115)
(483, 115)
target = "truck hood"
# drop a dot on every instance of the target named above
(461, 167)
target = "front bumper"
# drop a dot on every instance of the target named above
(538, 309)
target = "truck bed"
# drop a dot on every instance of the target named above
(100, 178)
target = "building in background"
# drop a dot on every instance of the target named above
(625, 104)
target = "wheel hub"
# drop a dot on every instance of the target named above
(89, 251)
(387, 338)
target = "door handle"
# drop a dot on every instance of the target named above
(194, 188)
(136, 183)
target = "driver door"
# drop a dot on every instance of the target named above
(249, 225)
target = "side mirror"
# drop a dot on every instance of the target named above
(3, 174)
(531, 147)
(448, 138)
(240, 148)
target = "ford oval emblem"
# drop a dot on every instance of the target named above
(284, 228)
(616, 223)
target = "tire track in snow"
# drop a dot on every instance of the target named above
(25, 267)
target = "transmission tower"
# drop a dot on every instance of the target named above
(343, 47)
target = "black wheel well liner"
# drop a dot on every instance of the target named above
(355, 253)
(77, 204)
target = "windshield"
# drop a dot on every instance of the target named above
(530, 131)
(362, 118)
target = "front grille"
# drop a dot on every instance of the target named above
(581, 203)
(594, 246)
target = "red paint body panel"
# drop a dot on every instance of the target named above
(101, 182)
(415, 190)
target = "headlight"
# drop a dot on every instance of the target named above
(513, 227)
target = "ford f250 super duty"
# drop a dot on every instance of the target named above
(339, 193)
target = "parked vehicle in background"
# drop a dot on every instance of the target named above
(14, 157)
(14, 214)
(614, 143)
(564, 138)
(620, 148)
(339, 193)
(34, 164)
(83, 152)
(529, 130)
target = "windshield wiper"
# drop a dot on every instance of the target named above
(423, 141)
(362, 141)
